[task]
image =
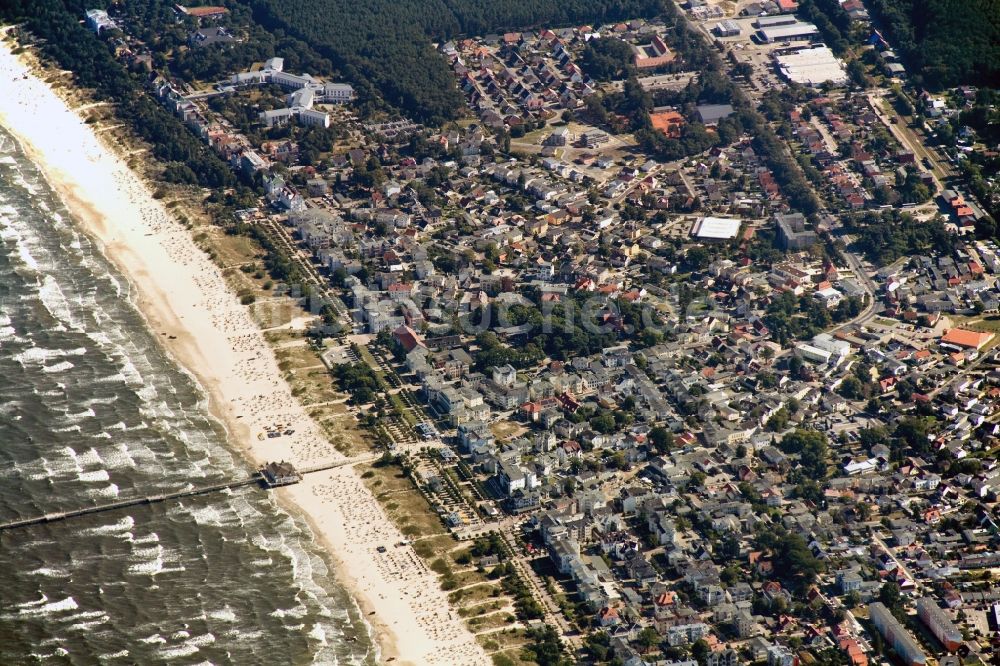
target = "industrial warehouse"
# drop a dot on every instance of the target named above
(812, 67)
(784, 28)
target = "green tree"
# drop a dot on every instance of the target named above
(700, 651)
(661, 439)
(889, 594)
(647, 639)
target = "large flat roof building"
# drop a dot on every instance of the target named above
(812, 66)
(771, 21)
(711, 114)
(727, 28)
(792, 32)
(716, 228)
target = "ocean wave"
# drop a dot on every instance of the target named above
(318, 634)
(69, 603)
(124, 525)
(62, 366)
(178, 652)
(110, 490)
(72, 428)
(86, 626)
(244, 635)
(154, 563)
(212, 516)
(121, 654)
(80, 416)
(91, 477)
(296, 613)
(223, 615)
(55, 302)
(85, 615)
(40, 354)
(36, 602)
(49, 572)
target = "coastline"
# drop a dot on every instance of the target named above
(187, 303)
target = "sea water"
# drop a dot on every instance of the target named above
(92, 410)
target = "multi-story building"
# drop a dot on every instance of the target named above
(792, 232)
(939, 623)
(896, 635)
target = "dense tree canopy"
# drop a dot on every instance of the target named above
(606, 59)
(887, 236)
(385, 45)
(945, 42)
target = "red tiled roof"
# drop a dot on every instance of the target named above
(966, 338)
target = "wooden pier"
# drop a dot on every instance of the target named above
(262, 478)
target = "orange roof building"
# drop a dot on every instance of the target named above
(961, 337)
(204, 11)
(668, 122)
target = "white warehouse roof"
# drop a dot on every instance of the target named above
(717, 228)
(813, 66)
(792, 31)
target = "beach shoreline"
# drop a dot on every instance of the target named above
(188, 305)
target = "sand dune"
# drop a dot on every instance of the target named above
(188, 304)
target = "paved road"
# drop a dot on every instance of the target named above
(870, 288)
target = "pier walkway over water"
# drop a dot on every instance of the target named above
(259, 479)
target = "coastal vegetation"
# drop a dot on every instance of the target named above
(67, 42)
(945, 42)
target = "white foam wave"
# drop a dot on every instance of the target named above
(86, 626)
(99, 475)
(179, 651)
(296, 613)
(40, 355)
(318, 633)
(86, 615)
(69, 603)
(80, 416)
(72, 428)
(54, 300)
(124, 525)
(49, 572)
(62, 366)
(110, 490)
(32, 604)
(121, 654)
(224, 615)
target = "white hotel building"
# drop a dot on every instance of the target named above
(305, 92)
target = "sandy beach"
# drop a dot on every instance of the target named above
(189, 306)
